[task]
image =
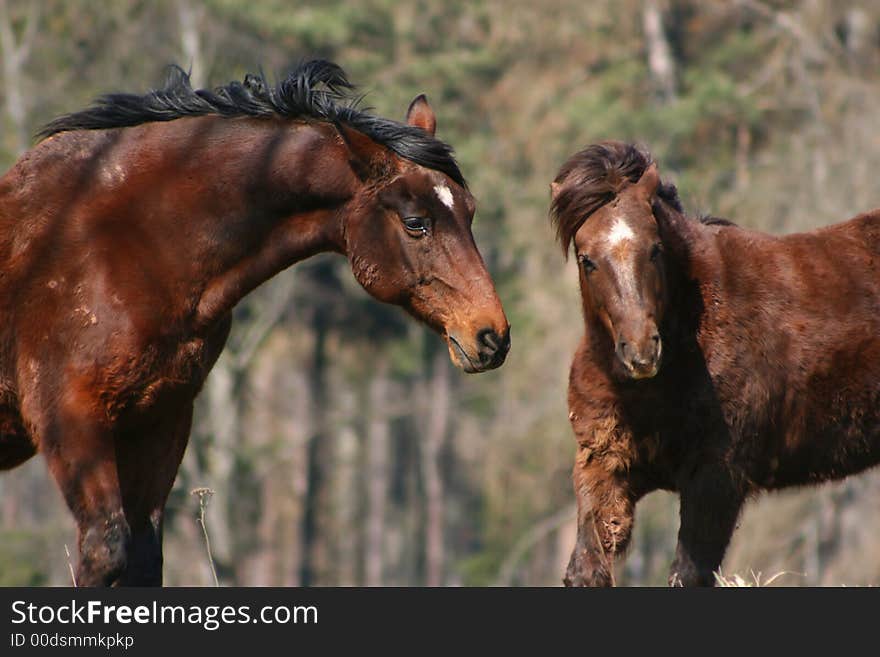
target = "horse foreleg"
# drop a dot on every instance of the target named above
(605, 520)
(148, 465)
(81, 456)
(710, 506)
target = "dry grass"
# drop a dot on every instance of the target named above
(70, 566)
(754, 579)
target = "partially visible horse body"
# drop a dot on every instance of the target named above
(717, 361)
(129, 234)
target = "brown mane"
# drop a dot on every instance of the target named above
(593, 177)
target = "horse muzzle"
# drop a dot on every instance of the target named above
(486, 351)
(642, 362)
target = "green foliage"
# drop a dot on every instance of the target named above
(20, 562)
(314, 26)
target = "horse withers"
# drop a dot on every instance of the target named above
(131, 231)
(716, 361)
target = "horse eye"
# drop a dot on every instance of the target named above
(656, 250)
(417, 225)
(587, 264)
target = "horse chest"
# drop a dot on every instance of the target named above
(187, 361)
(177, 374)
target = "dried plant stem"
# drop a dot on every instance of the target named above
(204, 495)
(70, 566)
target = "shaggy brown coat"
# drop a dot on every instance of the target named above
(770, 373)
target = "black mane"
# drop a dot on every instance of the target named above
(316, 89)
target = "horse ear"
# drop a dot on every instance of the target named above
(421, 115)
(366, 156)
(649, 182)
(555, 188)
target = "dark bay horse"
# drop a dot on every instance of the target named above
(131, 231)
(716, 362)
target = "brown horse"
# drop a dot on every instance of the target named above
(129, 234)
(717, 361)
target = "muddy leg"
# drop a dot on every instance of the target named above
(81, 458)
(710, 505)
(148, 465)
(605, 520)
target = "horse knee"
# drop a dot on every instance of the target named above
(104, 547)
(605, 522)
(615, 532)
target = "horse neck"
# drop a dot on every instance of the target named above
(246, 199)
(684, 242)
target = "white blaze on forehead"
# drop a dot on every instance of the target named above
(445, 196)
(624, 270)
(620, 231)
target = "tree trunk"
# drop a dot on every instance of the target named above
(190, 17)
(15, 51)
(315, 556)
(743, 149)
(436, 399)
(346, 512)
(858, 38)
(661, 63)
(378, 437)
(300, 425)
(224, 426)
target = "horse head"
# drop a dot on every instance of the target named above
(408, 238)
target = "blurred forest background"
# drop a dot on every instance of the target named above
(342, 446)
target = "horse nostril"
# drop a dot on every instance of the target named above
(488, 338)
(492, 344)
(655, 337)
(503, 342)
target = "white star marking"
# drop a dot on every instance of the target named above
(620, 231)
(445, 196)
